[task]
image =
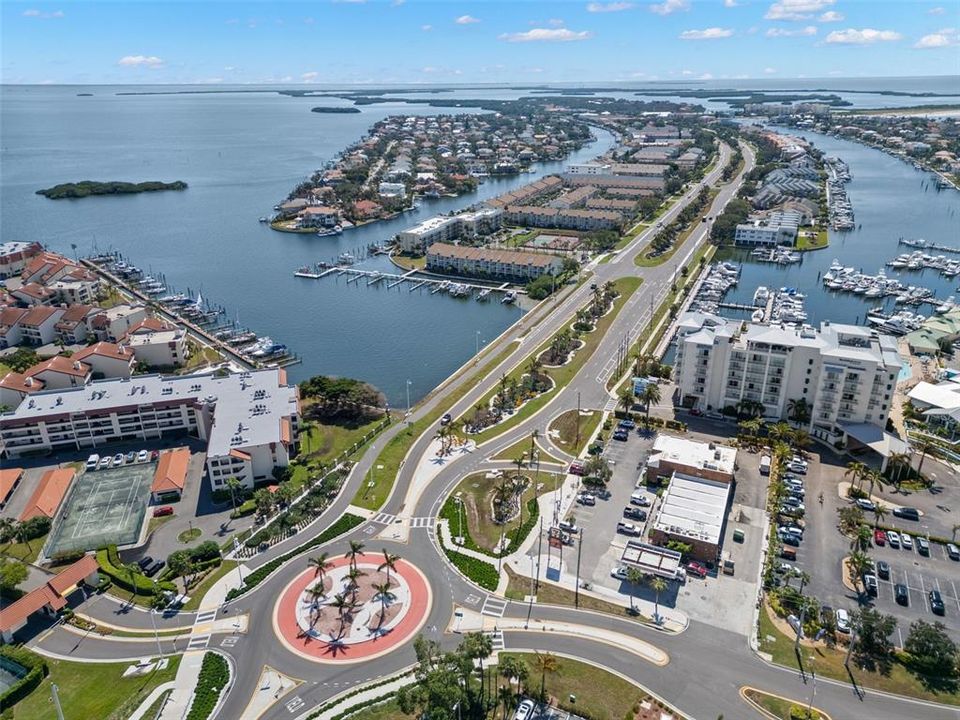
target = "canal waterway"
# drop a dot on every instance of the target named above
(241, 154)
(891, 200)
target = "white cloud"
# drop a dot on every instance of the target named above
(150, 61)
(941, 38)
(555, 22)
(936, 11)
(713, 33)
(769, 71)
(56, 14)
(802, 32)
(547, 35)
(597, 7)
(705, 76)
(398, 3)
(686, 72)
(867, 36)
(466, 20)
(796, 9)
(310, 76)
(668, 7)
(831, 16)
(229, 68)
(426, 28)
(729, 3)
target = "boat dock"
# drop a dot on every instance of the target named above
(455, 287)
(924, 245)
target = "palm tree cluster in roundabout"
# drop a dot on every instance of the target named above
(352, 602)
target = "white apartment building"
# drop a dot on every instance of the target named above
(113, 323)
(588, 169)
(846, 374)
(249, 420)
(447, 228)
(157, 343)
(772, 229)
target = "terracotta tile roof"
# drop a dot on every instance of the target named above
(149, 325)
(52, 593)
(9, 478)
(171, 474)
(285, 433)
(38, 315)
(239, 454)
(105, 349)
(49, 493)
(21, 383)
(10, 316)
(510, 257)
(61, 364)
(76, 313)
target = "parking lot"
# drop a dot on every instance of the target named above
(718, 599)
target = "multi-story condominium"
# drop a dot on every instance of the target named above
(446, 228)
(572, 219)
(113, 323)
(846, 374)
(489, 262)
(14, 257)
(589, 169)
(771, 229)
(158, 344)
(605, 181)
(250, 420)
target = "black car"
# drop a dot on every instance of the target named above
(790, 539)
(901, 594)
(445, 420)
(883, 570)
(634, 513)
(907, 513)
(144, 562)
(621, 435)
(936, 603)
(155, 568)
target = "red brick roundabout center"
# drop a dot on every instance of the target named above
(343, 620)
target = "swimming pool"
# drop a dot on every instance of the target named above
(906, 372)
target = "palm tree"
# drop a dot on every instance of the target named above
(263, 499)
(545, 663)
(285, 493)
(924, 446)
(505, 695)
(659, 585)
(383, 592)
(316, 593)
(804, 579)
(8, 529)
(650, 395)
(856, 471)
(879, 513)
(389, 563)
(779, 431)
(233, 484)
(356, 549)
(501, 496)
(874, 478)
(858, 563)
(353, 576)
(442, 434)
(899, 461)
(634, 577)
(861, 539)
(798, 410)
(800, 439)
(320, 565)
(479, 647)
(626, 399)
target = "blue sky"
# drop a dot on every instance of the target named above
(411, 41)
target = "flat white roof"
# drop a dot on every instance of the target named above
(709, 456)
(693, 507)
(945, 395)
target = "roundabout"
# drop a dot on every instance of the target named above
(352, 611)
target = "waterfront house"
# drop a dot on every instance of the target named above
(319, 216)
(291, 208)
(33, 294)
(113, 323)
(367, 209)
(10, 334)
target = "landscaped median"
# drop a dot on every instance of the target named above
(563, 374)
(570, 426)
(776, 707)
(213, 680)
(345, 524)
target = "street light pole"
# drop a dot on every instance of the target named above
(408, 399)
(156, 635)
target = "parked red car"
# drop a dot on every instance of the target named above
(162, 511)
(576, 468)
(695, 568)
(879, 537)
(696, 412)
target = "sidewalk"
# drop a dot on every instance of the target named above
(334, 708)
(271, 688)
(217, 594)
(150, 699)
(186, 682)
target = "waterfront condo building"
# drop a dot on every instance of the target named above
(846, 374)
(249, 421)
(492, 263)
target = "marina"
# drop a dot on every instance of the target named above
(416, 281)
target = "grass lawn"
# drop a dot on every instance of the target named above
(387, 464)
(600, 694)
(561, 375)
(4, 369)
(641, 260)
(807, 241)
(518, 588)
(197, 592)
(24, 552)
(324, 443)
(385, 711)
(91, 690)
(522, 448)
(200, 355)
(477, 494)
(779, 707)
(188, 536)
(829, 663)
(565, 426)
(410, 263)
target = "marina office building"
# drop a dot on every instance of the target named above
(846, 374)
(250, 420)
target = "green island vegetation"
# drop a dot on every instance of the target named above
(488, 691)
(521, 448)
(214, 676)
(571, 425)
(487, 505)
(335, 110)
(98, 690)
(518, 587)
(85, 188)
(672, 237)
(782, 708)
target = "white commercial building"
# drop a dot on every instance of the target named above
(771, 229)
(249, 420)
(843, 374)
(588, 169)
(692, 511)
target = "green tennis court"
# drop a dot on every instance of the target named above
(103, 507)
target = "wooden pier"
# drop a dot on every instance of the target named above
(393, 280)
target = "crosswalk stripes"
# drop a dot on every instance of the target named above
(384, 518)
(493, 606)
(611, 405)
(422, 522)
(198, 642)
(496, 640)
(205, 616)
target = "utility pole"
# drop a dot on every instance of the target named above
(539, 552)
(576, 591)
(578, 421)
(408, 399)
(56, 700)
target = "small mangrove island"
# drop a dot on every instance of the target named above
(85, 188)
(335, 110)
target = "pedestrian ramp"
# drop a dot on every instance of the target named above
(494, 606)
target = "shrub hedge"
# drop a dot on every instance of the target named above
(482, 573)
(110, 565)
(36, 671)
(214, 676)
(346, 523)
